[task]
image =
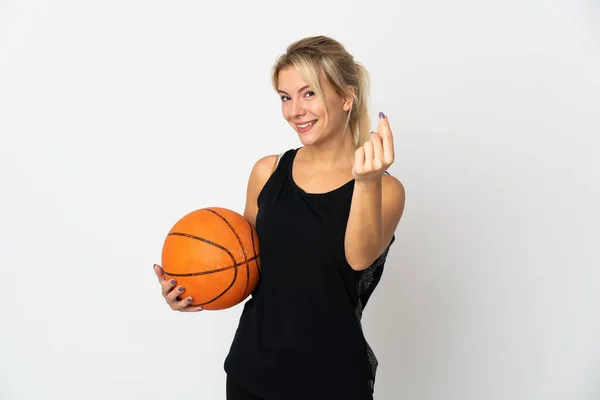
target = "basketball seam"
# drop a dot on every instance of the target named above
(243, 251)
(212, 271)
(218, 246)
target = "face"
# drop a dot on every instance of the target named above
(306, 113)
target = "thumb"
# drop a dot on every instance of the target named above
(159, 272)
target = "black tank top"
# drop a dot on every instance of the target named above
(300, 336)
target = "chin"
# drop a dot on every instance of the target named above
(309, 138)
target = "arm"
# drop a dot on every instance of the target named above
(375, 212)
(261, 171)
(377, 201)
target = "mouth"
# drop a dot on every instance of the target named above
(305, 126)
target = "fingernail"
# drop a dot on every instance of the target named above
(172, 281)
(189, 299)
(381, 115)
(181, 288)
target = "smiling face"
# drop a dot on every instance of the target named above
(306, 113)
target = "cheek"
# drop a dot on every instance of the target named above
(317, 109)
(285, 111)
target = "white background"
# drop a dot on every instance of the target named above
(119, 117)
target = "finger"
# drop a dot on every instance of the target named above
(377, 150)
(171, 296)
(180, 305)
(359, 159)
(383, 126)
(387, 138)
(166, 286)
(159, 273)
(368, 146)
(192, 309)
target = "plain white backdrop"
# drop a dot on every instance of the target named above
(119, 117)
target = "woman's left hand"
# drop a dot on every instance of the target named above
(376, 155)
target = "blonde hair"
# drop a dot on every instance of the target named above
(318, 56)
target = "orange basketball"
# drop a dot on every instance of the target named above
(213, 254)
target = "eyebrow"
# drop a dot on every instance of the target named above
(299, 90)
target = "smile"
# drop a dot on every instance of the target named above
(306, 126)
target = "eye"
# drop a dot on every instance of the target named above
(283, 98)
(311, 92)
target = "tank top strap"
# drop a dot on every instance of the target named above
(284, 162)
(278, 179)
(278, 158)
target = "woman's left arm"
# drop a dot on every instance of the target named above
(377, 202)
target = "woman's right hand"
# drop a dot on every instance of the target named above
(171, 292)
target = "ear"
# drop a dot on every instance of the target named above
(348, 100)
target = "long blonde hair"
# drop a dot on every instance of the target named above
(318, 56)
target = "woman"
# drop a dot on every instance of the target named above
(325, 216)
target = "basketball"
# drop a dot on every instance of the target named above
(213, 253)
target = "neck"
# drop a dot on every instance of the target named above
(337, 151)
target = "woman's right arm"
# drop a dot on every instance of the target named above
(261, 171)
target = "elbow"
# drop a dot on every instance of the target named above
(359, 263)
(359, 267)
(361, 256)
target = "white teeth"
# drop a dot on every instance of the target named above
(306, 125)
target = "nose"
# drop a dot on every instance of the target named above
(297, 110)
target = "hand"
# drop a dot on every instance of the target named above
(171, 293)
(376, 155)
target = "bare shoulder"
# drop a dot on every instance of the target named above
(263, 168)
(261, 171)
(392, 185)
(393, 195)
